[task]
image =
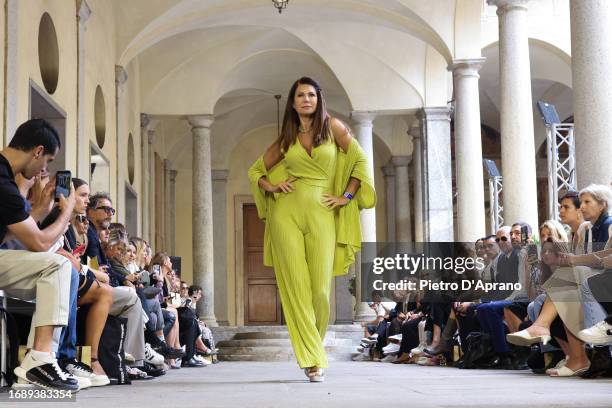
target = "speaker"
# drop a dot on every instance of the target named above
(548, 113)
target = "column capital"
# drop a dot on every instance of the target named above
(151, 136)
(83, 11)
(440, 113)
(466, 67)
(415, 130)
(219, 175)
(144, 120)
(201, 121)
(506, 5)
(363, 117)
(388, 169)
(121, 76)
(173, 174)
(401, 161)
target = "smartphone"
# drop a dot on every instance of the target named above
(62, 183)
(524, 234)
(156, 271)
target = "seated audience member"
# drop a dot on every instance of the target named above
(369, 328)
(161, 278)
(190, 331)
(205, 343)
(595, 234)
(570, 215)
(512, 266)
(34, 273)
(126, 303)
(562, 299)
(85, 290)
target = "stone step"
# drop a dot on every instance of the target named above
(277, 353)
(272, 335)
(278, 343)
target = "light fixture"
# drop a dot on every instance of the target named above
(280, 5)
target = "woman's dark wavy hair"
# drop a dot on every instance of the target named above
(291, 119)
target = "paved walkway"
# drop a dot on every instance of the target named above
(348, 384)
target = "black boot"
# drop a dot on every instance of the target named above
(600, 362)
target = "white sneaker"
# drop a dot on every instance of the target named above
(367, 340)
(373, 336)
(391, 348)
(202, 360)
(397, 337)
(418, 350)
(152, 356)
(601, 333)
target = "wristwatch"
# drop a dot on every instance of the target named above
(348, 195)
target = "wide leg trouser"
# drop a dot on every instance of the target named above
(303, 243)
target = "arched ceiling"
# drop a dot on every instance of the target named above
(551, 80)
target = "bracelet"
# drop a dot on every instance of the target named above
(348, 195)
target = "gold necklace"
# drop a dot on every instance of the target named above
(302, 130)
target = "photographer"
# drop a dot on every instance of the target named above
(35, 273)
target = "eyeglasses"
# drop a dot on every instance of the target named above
(82, 218)
(184, 287)
(107, 209)
(504, 239)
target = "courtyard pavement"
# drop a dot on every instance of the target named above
(347, 384)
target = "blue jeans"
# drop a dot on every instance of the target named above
(593, 310)
(534, 308)
(68, 338)
(491, 318)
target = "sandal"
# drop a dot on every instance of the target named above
(568, 372)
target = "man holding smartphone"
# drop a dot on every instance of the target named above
(35, 273)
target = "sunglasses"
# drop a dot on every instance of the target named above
(504, 239)
(108, 210)
(82, 218)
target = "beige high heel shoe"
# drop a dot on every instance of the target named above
(523, 338)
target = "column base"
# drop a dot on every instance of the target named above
(363, 312)
(210, 322)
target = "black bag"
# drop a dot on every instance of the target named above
(12, 354)
(479, 351)
(110, 350)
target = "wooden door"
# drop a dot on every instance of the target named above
(261, 301)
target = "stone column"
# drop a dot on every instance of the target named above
(437, 175)
(389, 173)
(402, 198)
(170, 211)
(203, 252)
(11, 61)
(363, 133)
(219, 192)
(516, 114)
(468, 151)
(591, 73)
(150, 137)
(145, 179)
(121, 78)
(83, 163)
(417, 171)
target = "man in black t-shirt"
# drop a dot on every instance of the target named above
(35, 273)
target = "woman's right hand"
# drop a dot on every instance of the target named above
(284, 186)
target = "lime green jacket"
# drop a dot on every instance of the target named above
(352, 163)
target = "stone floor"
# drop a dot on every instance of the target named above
(348, 384)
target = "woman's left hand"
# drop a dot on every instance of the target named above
(332, 201)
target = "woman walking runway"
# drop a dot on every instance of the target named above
(309, 187)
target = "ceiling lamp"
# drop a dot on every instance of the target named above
(280, 4)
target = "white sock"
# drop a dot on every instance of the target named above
(38, 358)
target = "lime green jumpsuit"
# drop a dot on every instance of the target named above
(301, 242)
